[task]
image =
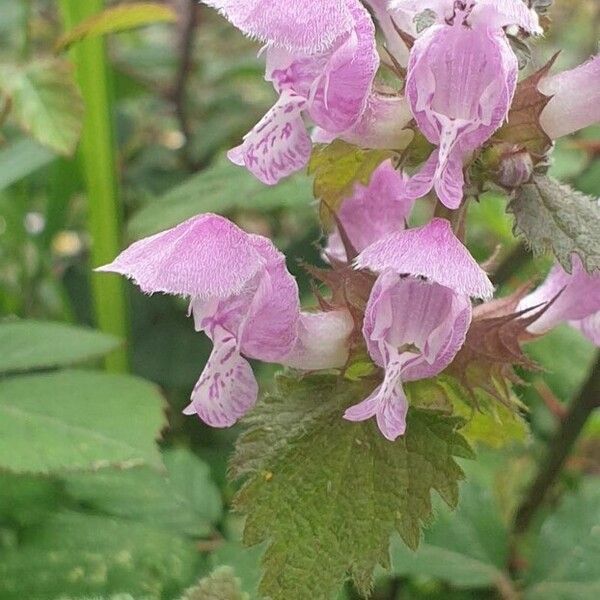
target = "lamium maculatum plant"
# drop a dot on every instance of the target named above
(405, 339)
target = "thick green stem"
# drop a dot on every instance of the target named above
(560, 447)
(98, 159)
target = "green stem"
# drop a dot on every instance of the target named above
(98, 158)
(559, 449)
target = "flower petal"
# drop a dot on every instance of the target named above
(431, 251)
(270, 326)
(383, 125)
(590, 327)
(204, 257)
(372, 212)
(227, 388)
(340, 94)
(575, 102)
(387, 403)
(323, 341)
(279, 144)
(502, 13)
(574, 297)
(309, 26)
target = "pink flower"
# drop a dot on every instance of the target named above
(574, 298)
(372, 212)
(462, 75)
(242, 297)
(323, 341)
(383, 125)
(418, 314)
(575, 100)
(432, 252)
(321, 59)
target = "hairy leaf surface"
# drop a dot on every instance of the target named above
(327, 494)
(554, 217)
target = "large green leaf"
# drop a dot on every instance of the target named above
(27, 345)
(77, 420)
(45, 101)
(22, 158)
(565, 562)
(466, 548)
(554, 217)
(74, 554)
(118, 18)
(222, 188)
(327, 494)
(186, 502)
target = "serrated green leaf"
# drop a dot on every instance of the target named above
(466, 548)
(554, 217)
(187, 503)
(565, 556)
(20, 159)
(45, 101)
(118, 18)
(28, 345)
(337, 167)
(77, 420)
(221, 188)
(327, 494)
(77, 555)
(221, 584)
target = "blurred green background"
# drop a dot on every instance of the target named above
(105, 487)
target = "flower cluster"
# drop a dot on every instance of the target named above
(321, 57)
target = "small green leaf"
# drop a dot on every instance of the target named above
(77, 420)
(466, 548)
(20, 159)
(46, 102)
(221, 584)
(327, 494)
(118, 18)
(145, 495)
(337, 167)
(554, 217)
(565, 562)
(28, 345)
(222, 188)
(74, 554)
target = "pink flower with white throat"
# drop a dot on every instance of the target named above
(462, 76)
(242, 297)
(321, 59)
(417, 316)
(573, 298)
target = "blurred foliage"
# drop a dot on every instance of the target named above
(89, 506)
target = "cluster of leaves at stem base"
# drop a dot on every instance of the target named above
(327, 494)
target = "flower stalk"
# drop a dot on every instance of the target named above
(560, 448)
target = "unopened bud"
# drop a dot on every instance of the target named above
(515, 169)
